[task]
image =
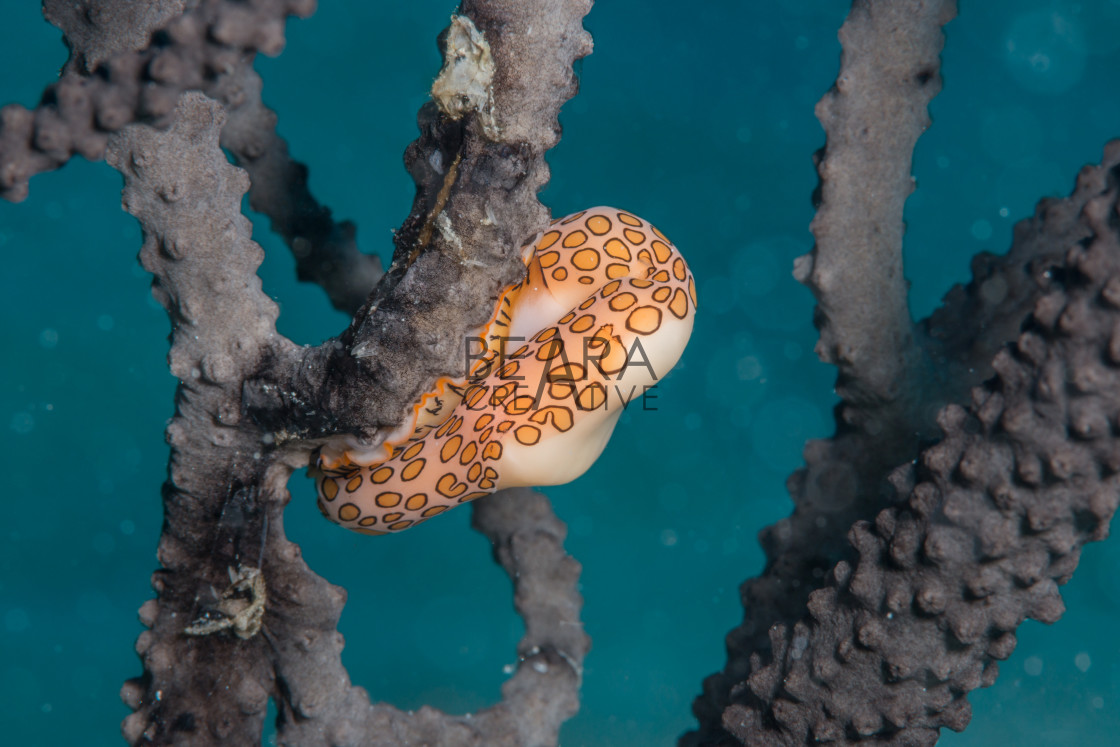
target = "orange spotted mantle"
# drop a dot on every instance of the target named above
(605, 310)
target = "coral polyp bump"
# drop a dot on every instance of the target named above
(605, 310)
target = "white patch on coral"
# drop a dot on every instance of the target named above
(464, 83)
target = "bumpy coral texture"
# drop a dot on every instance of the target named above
(989, 523)
(78, 113)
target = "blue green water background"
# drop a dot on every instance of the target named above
(697, 116)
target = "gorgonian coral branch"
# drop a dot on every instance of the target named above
(197, 246)
(225, 493)
(845, 478)
(130, 61)
(991, 521)
(872, 117)
(478, 171)
(318, 705)
(326, 252)
(113, 78)
(237, 611)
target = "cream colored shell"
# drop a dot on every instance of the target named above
(604, 312)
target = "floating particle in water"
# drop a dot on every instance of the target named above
(748, 368)
(1082, 661)
(1045, 51)
(981, 230)
(48, 338)
(727, 380)
(23, 423)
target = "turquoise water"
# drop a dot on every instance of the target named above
(696, 116)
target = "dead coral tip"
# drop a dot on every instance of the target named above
(605, 310)
(465, 82)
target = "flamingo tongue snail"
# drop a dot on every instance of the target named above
(605, 310)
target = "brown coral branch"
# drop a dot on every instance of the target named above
(225, 493)
(130, 81)
(130, 61)
(318, 705)
(442, 284)
(873, 116)
(992, 522)
(97, 30)
(878, 427)
(326, 252)
(197, 246)
(237, 611)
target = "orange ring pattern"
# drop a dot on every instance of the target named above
(619, 279)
